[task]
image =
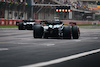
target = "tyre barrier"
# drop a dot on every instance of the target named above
(14, 22)
(17, 22)
(2, 21)
(8, 21)
(38, 21)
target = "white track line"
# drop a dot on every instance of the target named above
(2, 49)
(50, 44)
(77, 40)
(62, 59)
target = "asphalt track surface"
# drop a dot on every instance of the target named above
(18, 48)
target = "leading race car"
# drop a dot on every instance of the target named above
(56, 29)
(26, 24)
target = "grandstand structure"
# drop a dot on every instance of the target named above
(78, 9)
(13, 9)
(93, 4)
(45, 9)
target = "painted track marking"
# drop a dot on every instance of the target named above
(62, 59)
(77, 40)
(2, 49)
(50, 44)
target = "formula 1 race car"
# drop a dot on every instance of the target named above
(26, 24)
(55, 29)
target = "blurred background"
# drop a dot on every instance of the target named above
(41, 9)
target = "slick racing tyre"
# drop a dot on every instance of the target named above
(75, 32)
(67, 32)
(21, 26)
(38, 31)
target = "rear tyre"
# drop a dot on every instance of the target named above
(75, 32)
(67, 32)
(38, 31)
(21, 26)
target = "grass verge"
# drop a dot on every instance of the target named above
(85, 25)
(88, 25)
(14, 26)
(8, 26)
